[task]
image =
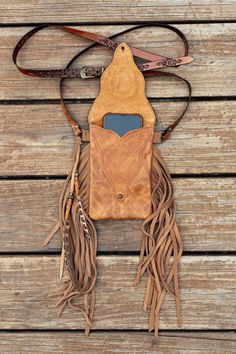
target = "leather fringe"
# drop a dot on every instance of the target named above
(161, 247)
(79, 241)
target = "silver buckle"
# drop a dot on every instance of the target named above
(85, 75)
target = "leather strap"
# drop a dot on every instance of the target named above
(155, 62)
(166, 133)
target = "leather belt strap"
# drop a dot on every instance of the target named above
(154, 62)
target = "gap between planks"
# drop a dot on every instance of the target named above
(207, 294)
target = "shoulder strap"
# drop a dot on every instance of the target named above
(166, 133)
(154, 62)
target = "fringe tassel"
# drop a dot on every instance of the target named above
(161, 247)
(79, 241)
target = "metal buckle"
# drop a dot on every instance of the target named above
(85, 75)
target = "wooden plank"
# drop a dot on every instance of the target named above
(96, 11)
(205, 214)
(105, 342)
(212, 73)
(36, 139)
(208, 286)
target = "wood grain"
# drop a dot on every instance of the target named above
(110, 11)
(36, 139)
(205, 215)
(208, 286)
(212, 73)
(121, 342)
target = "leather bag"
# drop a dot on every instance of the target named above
(115, 177)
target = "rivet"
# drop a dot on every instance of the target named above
(119, 196)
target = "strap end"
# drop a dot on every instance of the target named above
(188, 59)
(166, 134)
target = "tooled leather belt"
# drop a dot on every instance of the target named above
(149, 68)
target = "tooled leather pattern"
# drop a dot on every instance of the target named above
(120, 173)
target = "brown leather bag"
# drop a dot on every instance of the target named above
(117, 177)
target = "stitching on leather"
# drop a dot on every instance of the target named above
(140, 152)
(106, 174)
(125, 135)
(141, 159)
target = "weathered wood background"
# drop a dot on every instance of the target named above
(35, 156)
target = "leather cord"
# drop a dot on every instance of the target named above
(166, 134)
(155, 62)
(161, 247)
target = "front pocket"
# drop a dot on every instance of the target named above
(120, 168)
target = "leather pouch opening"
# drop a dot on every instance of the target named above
(120, 173)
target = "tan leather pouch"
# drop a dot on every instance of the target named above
(120, 186)
(120, 167)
